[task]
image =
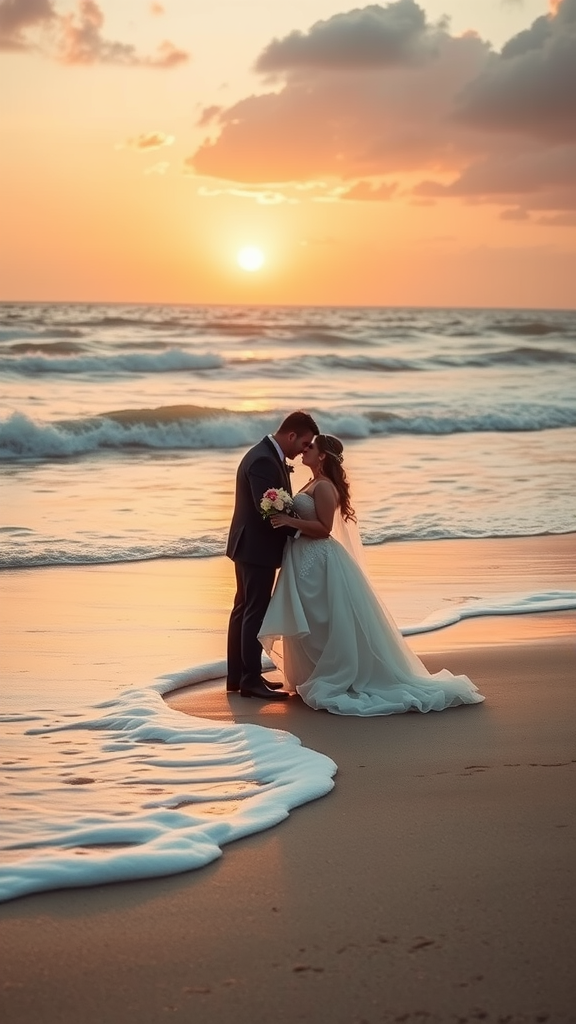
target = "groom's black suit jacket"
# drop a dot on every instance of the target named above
(252, 538)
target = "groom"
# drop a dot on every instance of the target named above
(256, 549)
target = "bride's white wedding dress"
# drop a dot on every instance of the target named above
(327, 631)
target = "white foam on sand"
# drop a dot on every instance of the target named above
(512, 604)
(130, 788)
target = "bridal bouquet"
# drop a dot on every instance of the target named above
(275, 500)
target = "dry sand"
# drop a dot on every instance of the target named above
(435, 883)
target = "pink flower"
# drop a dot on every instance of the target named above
(274, 500)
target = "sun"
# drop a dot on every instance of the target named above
(250, 258)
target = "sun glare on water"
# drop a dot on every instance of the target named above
(250, 258)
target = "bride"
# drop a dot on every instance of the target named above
(326, 629)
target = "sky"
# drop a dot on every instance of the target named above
(402, 153)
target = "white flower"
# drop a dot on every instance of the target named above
(275, 499)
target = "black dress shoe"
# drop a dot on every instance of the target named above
(270, 684)
(263, 692)
(232, 687)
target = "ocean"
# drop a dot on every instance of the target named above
(120, 430)
(457, 423)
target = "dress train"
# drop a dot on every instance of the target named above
(336, 644)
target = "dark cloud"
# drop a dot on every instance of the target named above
(530, 87)
(370, 37)
(17, 16)
(511, 173)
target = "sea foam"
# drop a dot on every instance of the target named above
(170, 361)
(22, 437)
(512, 604)
(132, 789)
(24, 549)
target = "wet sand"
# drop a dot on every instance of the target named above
(435, 882)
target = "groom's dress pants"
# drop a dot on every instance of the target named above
(254, 585)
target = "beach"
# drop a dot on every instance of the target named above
(435, 882)
(343, 237)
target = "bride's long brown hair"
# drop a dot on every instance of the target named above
(332, 467)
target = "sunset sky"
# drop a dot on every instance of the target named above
(393, 154)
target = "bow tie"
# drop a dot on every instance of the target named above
(289, 469)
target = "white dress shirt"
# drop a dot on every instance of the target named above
(278, 448)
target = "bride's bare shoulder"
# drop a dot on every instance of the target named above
(325, 487)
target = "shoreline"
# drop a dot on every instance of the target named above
(433, 884)
(370, 550)
(375, 547)
(140, 620)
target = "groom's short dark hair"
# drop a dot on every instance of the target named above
(298, 423)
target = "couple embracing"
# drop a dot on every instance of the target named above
(321, 622)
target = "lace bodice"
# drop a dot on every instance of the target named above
(304, 506)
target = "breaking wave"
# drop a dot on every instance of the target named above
(38, 358)
(197, 428)
(171, 361)
(30, 553)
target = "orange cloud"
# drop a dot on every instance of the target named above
(208, 115)
(82, 42)
(264, 197)
(150, 140)
(348, 124)
(366, 93)
(516, 213)
(167, 56)
(559, 220)
(369, 191)
(380, 91)
(76, 37)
